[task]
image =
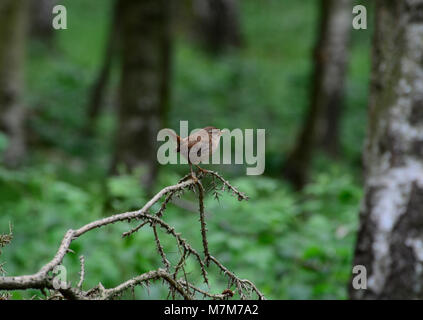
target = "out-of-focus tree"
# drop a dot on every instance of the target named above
(13, 19)
(217, 24)
(99, 86)
(321, 124)
(390, 239)
(41, 18)
(144, 86)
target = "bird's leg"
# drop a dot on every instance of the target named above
(194, 177)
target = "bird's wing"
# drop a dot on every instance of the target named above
(192, 142)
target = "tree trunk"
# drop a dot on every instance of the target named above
(41, 18)
(390, 241)
(333, 56)
(13, 16)
(99, 86)
(330, 61)
(217, 24)
(144, 83)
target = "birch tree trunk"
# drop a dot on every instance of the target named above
(330, 62)
(13, 16)
(390, 239)
(144, 83)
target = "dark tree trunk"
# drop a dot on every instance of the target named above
(334, 60)
(144, 83)
(217, 24)
(99, 86)
(13, 16)
(390, 241)
(322, 119)
(41, 18)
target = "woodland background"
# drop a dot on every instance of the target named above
(294, 241)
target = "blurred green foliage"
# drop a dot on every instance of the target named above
(291, 245)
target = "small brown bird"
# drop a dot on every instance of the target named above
(199, 146)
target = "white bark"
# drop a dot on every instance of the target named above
(390, 242)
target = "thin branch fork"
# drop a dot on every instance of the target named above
(38, 280)
(43, 280)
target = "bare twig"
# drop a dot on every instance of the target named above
(160, 249)
(203, 292)
(152, 275)
(6, 238)
(82, 272)
(43, 280)
(241, 284)
(203, 223)
(235, 191)
(133, 230)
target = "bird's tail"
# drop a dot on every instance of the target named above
(177, 139)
